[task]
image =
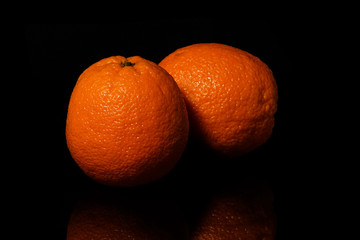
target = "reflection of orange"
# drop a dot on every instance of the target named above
(127, 122)
(231, 95)
(117, 217)
(243, 212)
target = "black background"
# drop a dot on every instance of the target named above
(58, 54)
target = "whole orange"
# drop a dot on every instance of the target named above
(231, 95)
(127, 122)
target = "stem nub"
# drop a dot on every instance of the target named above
(127, 63)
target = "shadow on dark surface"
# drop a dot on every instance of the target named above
(191, 188)
(126, 213)
(199, 177)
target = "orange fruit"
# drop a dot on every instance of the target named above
(127, 122)
(231, 95)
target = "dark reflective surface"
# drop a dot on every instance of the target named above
(57, 55)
